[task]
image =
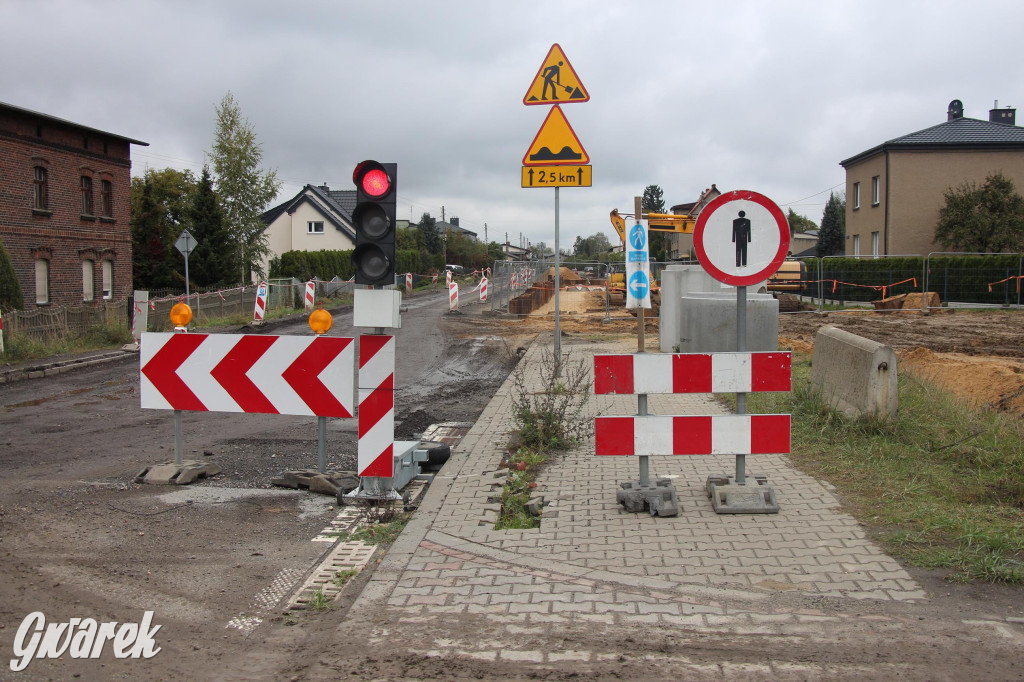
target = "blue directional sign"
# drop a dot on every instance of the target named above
(639, 285)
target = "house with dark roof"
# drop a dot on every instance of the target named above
(65, 208)
(894, 191)
(680, 244)
(453, 227)
(316, 218)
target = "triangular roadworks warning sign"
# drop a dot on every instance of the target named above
(556, 143)
(556, 82)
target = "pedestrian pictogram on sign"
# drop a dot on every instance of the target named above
(556, 81)
(555, 143)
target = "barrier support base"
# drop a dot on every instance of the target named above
(754, 496)
(659, 498)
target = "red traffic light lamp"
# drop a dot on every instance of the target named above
(374, 221)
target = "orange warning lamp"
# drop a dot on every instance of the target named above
(320, 321)
(181, 315)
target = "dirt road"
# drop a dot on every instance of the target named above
(79, 539)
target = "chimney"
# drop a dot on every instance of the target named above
(324, 187)
(1007, 115)
(455, 222)
(955, 110)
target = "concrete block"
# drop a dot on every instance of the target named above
(680, 281)
(854, 375)
(659, 498)
(170, 473)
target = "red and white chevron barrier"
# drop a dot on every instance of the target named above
(453, 296)
(724, 434)
(310, 295)
(483, 290)
(433, 279)
(375, 450)
(447, 278)
(408, 282)
(692, 373)
(302, 375)
(261, 302)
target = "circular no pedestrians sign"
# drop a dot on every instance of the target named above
(741, 238)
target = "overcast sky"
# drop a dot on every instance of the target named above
(763, 96)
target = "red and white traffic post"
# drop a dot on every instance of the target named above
(310, 295)
(261, 303)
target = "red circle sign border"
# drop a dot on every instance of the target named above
(717, 203)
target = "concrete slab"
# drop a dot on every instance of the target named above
(169, 473)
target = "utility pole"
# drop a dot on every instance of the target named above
(442, 214)
(485, 234)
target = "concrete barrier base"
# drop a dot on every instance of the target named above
(754, 496)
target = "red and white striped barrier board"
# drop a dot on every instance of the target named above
(408, 282)
(310, 295)
(483, 290)
(453, 296)
(447, 278)
(261, 302)
(725, 434)
(376, 446)
(692, 373)
(303, 375)
(433, 280)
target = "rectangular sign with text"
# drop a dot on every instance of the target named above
(557, 176)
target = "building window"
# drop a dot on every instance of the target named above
(108, 279)
(88, 288)
(315, 227)
(856, 196)
(87, 207)
(876, 194)
(856, 245)
(107, 198)
(874, 245)
(41, 193)
(42, 281)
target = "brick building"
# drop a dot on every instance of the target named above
(65, 211)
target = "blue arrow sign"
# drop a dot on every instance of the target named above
(639, 284)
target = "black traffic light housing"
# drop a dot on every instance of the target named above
(374, 221)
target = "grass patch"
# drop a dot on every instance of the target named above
(548, 420)
(318, 601)
(344, 575)
(941, 485)
(22, 347)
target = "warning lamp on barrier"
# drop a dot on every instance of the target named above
(320, 321)
(374, 221)
(181, 315)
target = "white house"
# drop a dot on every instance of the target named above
(316, 218)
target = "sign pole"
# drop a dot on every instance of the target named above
(741, 347)
(641, 398)
(558, 286)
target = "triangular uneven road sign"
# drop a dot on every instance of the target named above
(555, 143)
(556, 82)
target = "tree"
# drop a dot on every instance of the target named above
(155, 262)
(798, 223)
(653, 201)
(989, 218)
(832, 237)
(432, 235)
(152, 264)
(11, 296)
(214, 259)
(243, 188)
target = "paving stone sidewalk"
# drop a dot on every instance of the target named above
(593, 565)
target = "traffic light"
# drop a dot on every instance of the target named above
(374, 221)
